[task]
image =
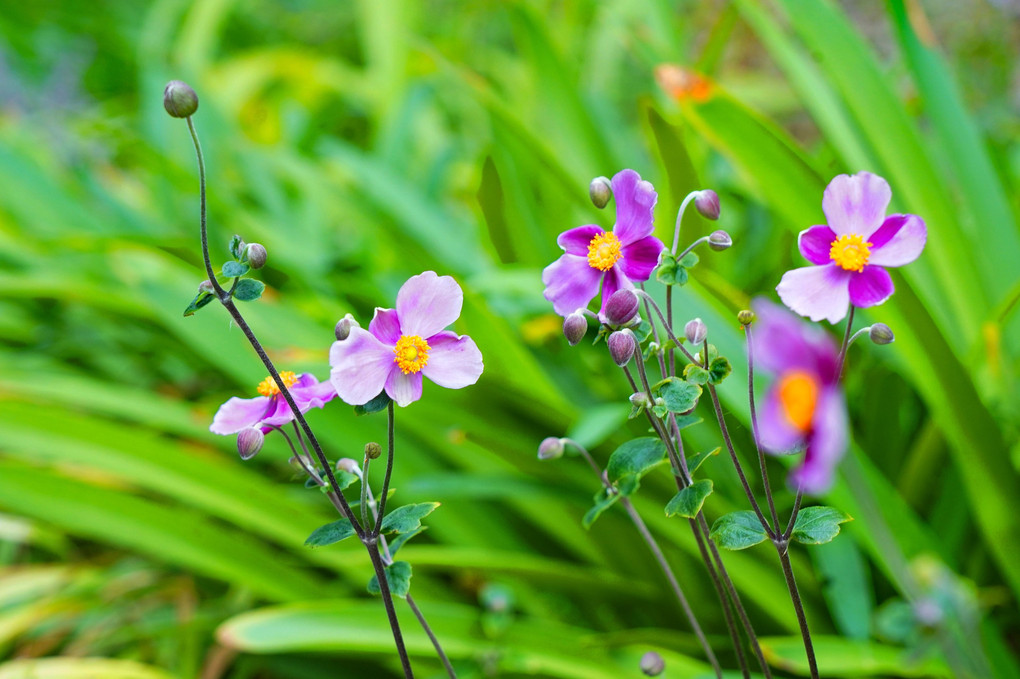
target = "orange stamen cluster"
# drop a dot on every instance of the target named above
(850, 252)
(604, 251)
(268, 386)
(412, 353)
(798, 396)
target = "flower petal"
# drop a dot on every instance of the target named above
(640, 258)
(571, 284)
(826, 445)
(576, 241)
(361, 365)
(816, 243)
(778, 435)
(856, 203)
(635, 199)
(870, 287)
(312, 393)
(816, 292)
(404, 389)
(454, 362)
(239, 413)
(613, 281)
(385, 325)
(783, 342)
(427, 303)
(898, 241)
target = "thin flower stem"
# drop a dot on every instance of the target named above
(364, 491)
(669, 331)
(389, 469)
(846, 343)
(679, 219)
(655, 333)
(670, 356)
(754, 427)
(703, 239)
(791, 583)
(793, 515)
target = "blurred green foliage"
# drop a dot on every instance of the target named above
(364, 142)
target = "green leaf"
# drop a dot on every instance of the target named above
(687, 503)
(398, 577)
(407, 518)
(398, 542)
(331, 533)
(344, 479)
(234, 269)
(818, 525)
(248, 290)
(738, 530)
(604, 499)
(79, 668)
(235, 246)
(636, 457)
(684, 421)
(852, 658)
(719, 369)
(689, 260)
(679, 396)
(697, 459)
(375, 405)
(695, 374)
(200, 301)
(670, 271)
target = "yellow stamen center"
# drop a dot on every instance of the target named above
(850, 252)
(604, 251)
(798, 395)
(412, 353)
(268, 386)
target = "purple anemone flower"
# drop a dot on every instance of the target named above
(611, 260)
(852, 250)
(271, 410)
(805, 405)
(404, 344)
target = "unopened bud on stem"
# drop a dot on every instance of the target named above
(652, 664)
(349, 465)
(179, 99)
(249, 442)
(622, 346)
(373, 450)
(206, 286)
(550, 448)
(746, 317)
(880, 333)
(256, 255)
(574, 327)
(622, 307)
(600, 191)
(719, 240)
(707, 203)
(695, 331)
(343, 327)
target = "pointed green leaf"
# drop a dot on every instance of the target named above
(697, 459)
(818, 525)
(719, 369)
(604, 499)
(687, 503)
(331, 533)
(635, 457)
(234, 269)
(375, 405)
(738, 530)
(407, 518)
(398, 542)
(689, 260)
(200, 301)
(398, 577)
(235, 246)
(248, 290)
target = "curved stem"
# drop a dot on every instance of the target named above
(846, 342)
(679, 218)
(754, 427)
(389, 469)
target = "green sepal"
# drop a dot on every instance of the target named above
(670, 271)
(604, 499)
(331, 533)
(642, 330)
(344, 479)
(201, 299)
(687, 503)
(235, 246)
(635, 457)
(690, 260)
(234, 269)
(248, 290)
(738, 530)
(719, 369)
(398, 577)
(679, 396)
(695, 374)
(697, 459)
(407, 518)
(818, 525)
(375, 405)
(398, 542)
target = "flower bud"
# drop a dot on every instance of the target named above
(639, 399)
(256, 255)
(249, 442)
(343, 327)
(652, 664)
(550, 448)
(349, 465)
(622, 307)
(719, 240)
(695, 331)
(206, 286)
(600, 191)
(880, 333)
(746, 317)
(179, 99)
(707, 203)
(373, 450)
(574, 327)
(622, 346)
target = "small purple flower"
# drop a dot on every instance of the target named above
(271, 410)
(610, 259)
(852, 250)
(805, 404)
(401, 345)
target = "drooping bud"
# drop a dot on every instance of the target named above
(249, 442)
(600, 191)
(745, 316)
(343, 327)
(622, 307)
(256, 255)
(550, 448)
(179, 99)
(206, 286)
(695, 331)
(639, 399)
(622, 346)
(880, 333)
(652, 664)
(373, 450)
(719, 240)
(574, 327)
(349, 465)
(707, 203)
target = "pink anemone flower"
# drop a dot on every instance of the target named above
(403, 345)
(852, 251)
(271, 410)
(609, 260)
(805, 405)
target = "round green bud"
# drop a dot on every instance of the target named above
(179, 99)
(256, 255)
(600, 191)
(746, 317)
(373, 450)
(880, 333)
